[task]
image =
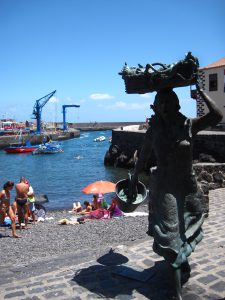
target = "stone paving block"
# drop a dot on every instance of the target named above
(203, 261)
(194, 287)
(54, 294)
(73, 298)
(32, 284)
(207, 279)
(55, 279)
(194, 274)
(38, 290)
(208, 268)
(31, 298)
(14, 294)
(64, 273)
(79, 290)
(219, 287)
(57, 286)
(221, 273)
(72, 283)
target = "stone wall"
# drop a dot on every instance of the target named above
(210, 176)
(211, 143)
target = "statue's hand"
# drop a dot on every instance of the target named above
(132, 188)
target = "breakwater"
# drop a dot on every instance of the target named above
(97, 126)
(36, 139)
(208, 156)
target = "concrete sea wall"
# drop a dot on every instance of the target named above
(5, 141)
(127, 141)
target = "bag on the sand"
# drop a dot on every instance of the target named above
(40, 212)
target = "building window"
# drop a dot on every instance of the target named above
(212, 82)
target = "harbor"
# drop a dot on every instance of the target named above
(73, 131)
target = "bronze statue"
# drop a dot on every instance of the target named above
(176, 198)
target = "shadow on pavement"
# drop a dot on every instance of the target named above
(106, 280)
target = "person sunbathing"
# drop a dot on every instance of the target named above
(77, 207)
(87, 209)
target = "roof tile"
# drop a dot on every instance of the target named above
(216, 64)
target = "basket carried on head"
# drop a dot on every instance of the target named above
(141, 80)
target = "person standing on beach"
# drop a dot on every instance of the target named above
(22, 190)
(31, 202)
(5, 208)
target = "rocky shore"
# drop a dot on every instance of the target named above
(49, 239)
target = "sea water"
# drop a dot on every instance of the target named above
(62, 176)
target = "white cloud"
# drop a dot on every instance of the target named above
(128, 106)
(145, 96)
(54, 100)
(100, 96)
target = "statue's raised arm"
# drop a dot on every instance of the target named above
(210, 119)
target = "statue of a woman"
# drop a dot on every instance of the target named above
(176, 198)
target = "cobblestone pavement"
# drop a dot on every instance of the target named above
(129, 272)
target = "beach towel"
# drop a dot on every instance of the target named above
(99, 213)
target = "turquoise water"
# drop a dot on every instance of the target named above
(62, 176)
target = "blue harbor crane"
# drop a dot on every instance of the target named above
(39, 104)
(64, 114)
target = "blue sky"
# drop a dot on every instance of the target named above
(77, 47)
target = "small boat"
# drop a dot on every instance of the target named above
(99, 139)
(21, 148)
(48, 148)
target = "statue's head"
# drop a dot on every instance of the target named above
(166, 103)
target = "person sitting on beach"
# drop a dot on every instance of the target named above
(95, 203)
(5, 208)
(77, 207)
(88, 208)
(114, 209)
(102, 201)
(22, 190)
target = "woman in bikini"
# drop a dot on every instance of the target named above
(5, 208)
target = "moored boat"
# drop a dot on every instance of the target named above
(20, 148)
(99, 139)
(48, 148)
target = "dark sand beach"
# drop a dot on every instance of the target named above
(48, 239)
